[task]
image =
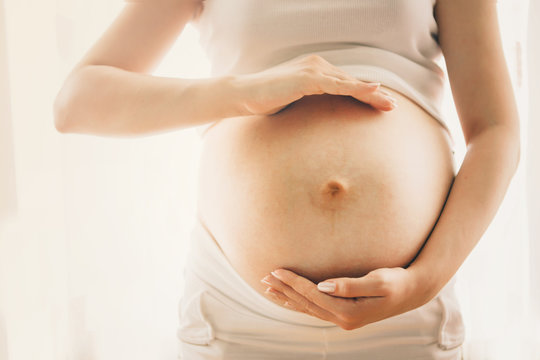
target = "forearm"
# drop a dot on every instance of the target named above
(105, 100)
(476, 194)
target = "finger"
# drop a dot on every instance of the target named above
(310, 307)
(318, 82)
(283, 300)
(354, 287)
(335, 71)
(320, 64)
(308, 290)
(349, 313)
(320, 67)
(305, 306)
(382, 95)
(381, 99)
(295, 297)
(343, 75)
(385, 92)
(335, 86)
(280, 298)
(348, 317)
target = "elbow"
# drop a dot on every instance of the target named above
(513, 141)
(518, 155)
(515, 146)
(62, 104)
(60, 113)
(505, 138)
(65, 102)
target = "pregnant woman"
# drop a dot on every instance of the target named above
(325, 159)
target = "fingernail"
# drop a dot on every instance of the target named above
(266, 281)
(392, 101)
(373, 84)
(326, 286)
(270, 291)
(275, 274)
(391, 98)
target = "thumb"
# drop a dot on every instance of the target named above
(349, 287)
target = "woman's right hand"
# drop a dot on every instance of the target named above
(271, 90)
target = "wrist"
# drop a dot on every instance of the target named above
(426, 284)
(213, 99)
(235, 93)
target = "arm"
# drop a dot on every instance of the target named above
(110, 90)
(482, 90)
(481, 86)
(105, 100)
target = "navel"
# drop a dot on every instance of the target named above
(331, 195)
(333, 189)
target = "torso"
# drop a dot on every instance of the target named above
(328, 187)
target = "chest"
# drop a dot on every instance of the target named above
(281, 23)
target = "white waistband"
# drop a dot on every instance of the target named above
(208, 262)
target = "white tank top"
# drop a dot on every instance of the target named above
(393, 42)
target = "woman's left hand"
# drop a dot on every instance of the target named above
(355, 302)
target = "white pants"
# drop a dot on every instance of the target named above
(222, 317)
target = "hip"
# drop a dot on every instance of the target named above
(222, 317)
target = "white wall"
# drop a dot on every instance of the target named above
(91, 257)
(533, 153)
(93, 230)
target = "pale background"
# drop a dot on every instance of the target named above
(93, 230)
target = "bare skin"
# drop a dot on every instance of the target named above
(109, 92)
(470, 39)
(328, 187)
(330, 201)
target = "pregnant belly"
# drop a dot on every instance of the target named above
(328, 187)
